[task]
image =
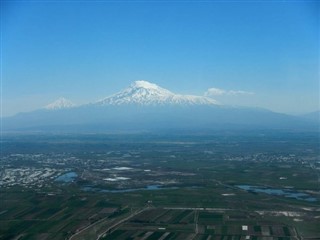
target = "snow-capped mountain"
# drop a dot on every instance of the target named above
(145, 106)
(60, 103)
(146, 93)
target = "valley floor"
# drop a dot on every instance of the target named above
(160, 187)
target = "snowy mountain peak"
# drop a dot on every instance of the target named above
(146, 93)
(144, 84)
(60, 103)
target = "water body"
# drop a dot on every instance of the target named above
(149, 187)
(278, 192)
(67, 177)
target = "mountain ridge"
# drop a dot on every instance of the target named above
(145, 106)
(140, 92)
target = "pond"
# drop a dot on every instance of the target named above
(288, 193)
(67, 177)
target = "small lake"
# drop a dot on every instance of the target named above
(67, 177)
(288, 193)
(149, 187)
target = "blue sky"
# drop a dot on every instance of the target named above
(88, 50)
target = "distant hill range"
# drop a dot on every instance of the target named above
(145, 106)
(313, 116)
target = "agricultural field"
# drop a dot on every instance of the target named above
(142, 186)
(198, 224)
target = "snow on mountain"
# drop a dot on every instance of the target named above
(60, 103)
(146, 93)
(119, 113)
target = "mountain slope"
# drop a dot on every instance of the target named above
(146, 93)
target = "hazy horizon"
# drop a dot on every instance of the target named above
(251, 54)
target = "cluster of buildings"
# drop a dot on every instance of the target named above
(27, 177)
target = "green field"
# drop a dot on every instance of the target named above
(204, 224)
(185, 186)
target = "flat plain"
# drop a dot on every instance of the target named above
(222, 185)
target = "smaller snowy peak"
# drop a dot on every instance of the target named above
(60, 103)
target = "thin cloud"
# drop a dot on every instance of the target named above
(214, 92)
(219, 92)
